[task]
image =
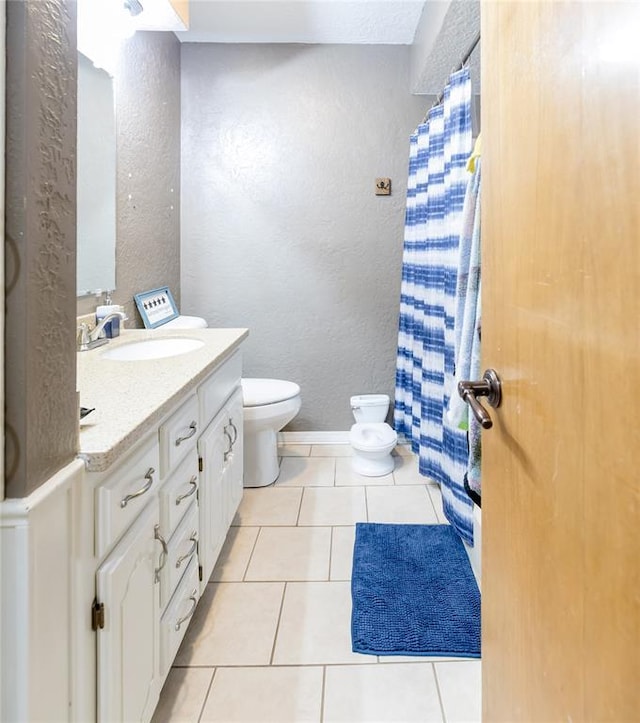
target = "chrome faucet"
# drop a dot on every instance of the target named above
(89, 339)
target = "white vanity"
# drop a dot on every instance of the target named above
(144, 521)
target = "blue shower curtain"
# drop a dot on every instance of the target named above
(439, 151)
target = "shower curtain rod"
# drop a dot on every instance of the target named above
(460, 66)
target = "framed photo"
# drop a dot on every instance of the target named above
(156, 307)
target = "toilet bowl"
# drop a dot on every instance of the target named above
(268, 405)
(371, 438)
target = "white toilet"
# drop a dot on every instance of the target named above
(268, 404)
(371, 437)
(185, 322)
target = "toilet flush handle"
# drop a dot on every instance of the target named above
(490, 387)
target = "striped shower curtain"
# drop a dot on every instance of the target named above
(439, 151)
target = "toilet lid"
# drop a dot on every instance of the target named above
(186, 322)
(256, 392)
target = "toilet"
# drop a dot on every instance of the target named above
(371, 438)
(268, 404)
(185, 322)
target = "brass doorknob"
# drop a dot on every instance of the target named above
(490, 387)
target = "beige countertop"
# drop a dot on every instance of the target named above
(131, 397)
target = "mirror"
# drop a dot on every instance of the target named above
(96, 179)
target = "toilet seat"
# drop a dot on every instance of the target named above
(371, 436)
(259, 392)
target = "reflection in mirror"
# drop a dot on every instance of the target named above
(96, 178)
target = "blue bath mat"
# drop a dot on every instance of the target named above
(413, 592)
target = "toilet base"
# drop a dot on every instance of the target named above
(372, 466)
(261, 466)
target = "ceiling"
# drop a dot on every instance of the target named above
(391, 22)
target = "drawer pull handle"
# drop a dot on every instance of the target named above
(228, 436)
(163, 554)
(235, 430)
(193, 427)
(194, 486)
(149, 477)
(194, 539)
(194, 601)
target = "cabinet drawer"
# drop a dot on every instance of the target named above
(177, 617)
(178, 435)
(215, 391)
(177, 493)
(125, 493)
(183, 547)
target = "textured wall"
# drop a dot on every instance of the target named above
(40, 370)
(281, 230)
(441, 42)
(147, 95)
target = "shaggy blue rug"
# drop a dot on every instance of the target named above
(413, 592)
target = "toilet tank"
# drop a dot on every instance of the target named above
(370, 407)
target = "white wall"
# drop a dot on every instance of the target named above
(281, 230)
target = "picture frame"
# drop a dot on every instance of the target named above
(156, 307)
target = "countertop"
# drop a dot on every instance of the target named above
(131, 397)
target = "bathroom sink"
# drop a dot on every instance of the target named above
(152, 349)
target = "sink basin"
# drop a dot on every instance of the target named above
(152, 349)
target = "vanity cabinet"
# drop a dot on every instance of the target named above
(161, 518)
(127, 586)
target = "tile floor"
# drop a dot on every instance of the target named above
(270, 640)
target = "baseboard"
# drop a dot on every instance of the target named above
(313, 437)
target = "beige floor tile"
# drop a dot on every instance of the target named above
(414, 659)
(331, 450)
(436, 499)
(268, 506)
(235, 554)
(333, 506)
(234, 624)
(294, 450)
(381, 693)
(403, 450)
(291, 553)
(315, 625)
(400, 505)
(347, 476)
(183, 695)
(406, 472)
(266, 695)
(306, 472)
(342, 552)
(460, 689)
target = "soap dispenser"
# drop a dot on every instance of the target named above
(112, 327)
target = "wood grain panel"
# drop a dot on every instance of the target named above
(561, 270)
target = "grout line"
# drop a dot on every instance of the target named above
(255, 542)
(275, 636)
(206, 698)
(366, 503)
(433, 506)
(435, 675)
(300, 507)
(330, 553)
(335, 472)
(344, 663)
(324, 687)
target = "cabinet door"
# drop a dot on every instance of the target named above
(212, 447)
(128, 645)
(234, 461)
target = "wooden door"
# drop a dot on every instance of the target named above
(561, 325)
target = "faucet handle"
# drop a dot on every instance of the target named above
(82, 337)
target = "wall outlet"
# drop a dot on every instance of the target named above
(383, 186)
